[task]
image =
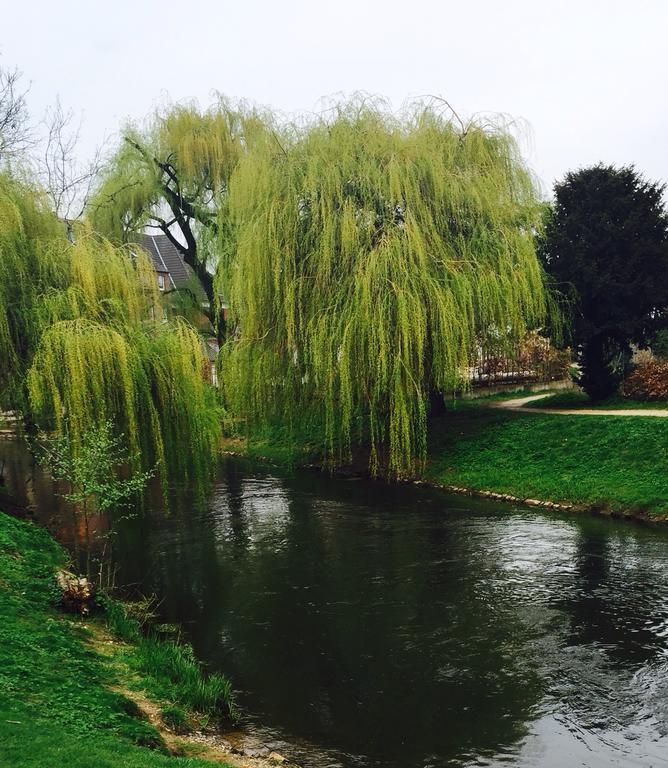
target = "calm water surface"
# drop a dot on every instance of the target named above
(367, 625)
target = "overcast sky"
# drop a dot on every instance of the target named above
(589, 77)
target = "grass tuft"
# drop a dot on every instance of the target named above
(172, 672)
(176, 718)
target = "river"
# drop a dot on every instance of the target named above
(372, 625)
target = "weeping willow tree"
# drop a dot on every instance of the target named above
(30, 267)
(371, 252)
(173, 176)
(148, 383)
(84, 343)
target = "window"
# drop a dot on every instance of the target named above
(161, 282)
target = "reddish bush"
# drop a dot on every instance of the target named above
(648, 381)
(533, 357)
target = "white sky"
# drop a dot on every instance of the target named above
(590, 77)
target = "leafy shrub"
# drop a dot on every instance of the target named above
(532, 357)
(537, 353)
(647, 382)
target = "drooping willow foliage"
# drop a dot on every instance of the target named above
(148, 384)
(83, 341)
(172, 175)
(130, 189)
(371, 252)
(201, 148)
(29, 267)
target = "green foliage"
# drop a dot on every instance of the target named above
(168, 669)
(175, 718)
(120, 622)
(182, 162)
(201, 149)
(606, 243)
(148, 381)
(293, 444)
(29, 268)
(660, 344)
(85, 342)
(370, 252)
(178, 411)
(172, 672)
(91, 468)
(45, 279)
(82, 374)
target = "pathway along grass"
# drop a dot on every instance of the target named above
(613, 463)
(57, 707)
(574, 399)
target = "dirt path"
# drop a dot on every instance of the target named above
(520, 403)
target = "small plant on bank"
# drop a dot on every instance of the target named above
(92, 471)
(120, 621)
(169, 667)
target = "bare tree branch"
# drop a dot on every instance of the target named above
(16, 133)
(69, 183)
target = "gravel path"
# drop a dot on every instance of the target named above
(519, 404)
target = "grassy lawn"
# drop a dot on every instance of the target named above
(618, 462)
(56, 706)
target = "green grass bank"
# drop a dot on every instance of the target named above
(618, 464)
(615, 464)
(60, 703)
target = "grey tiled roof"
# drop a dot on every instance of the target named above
(167, 259)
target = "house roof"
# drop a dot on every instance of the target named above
(167, 260)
